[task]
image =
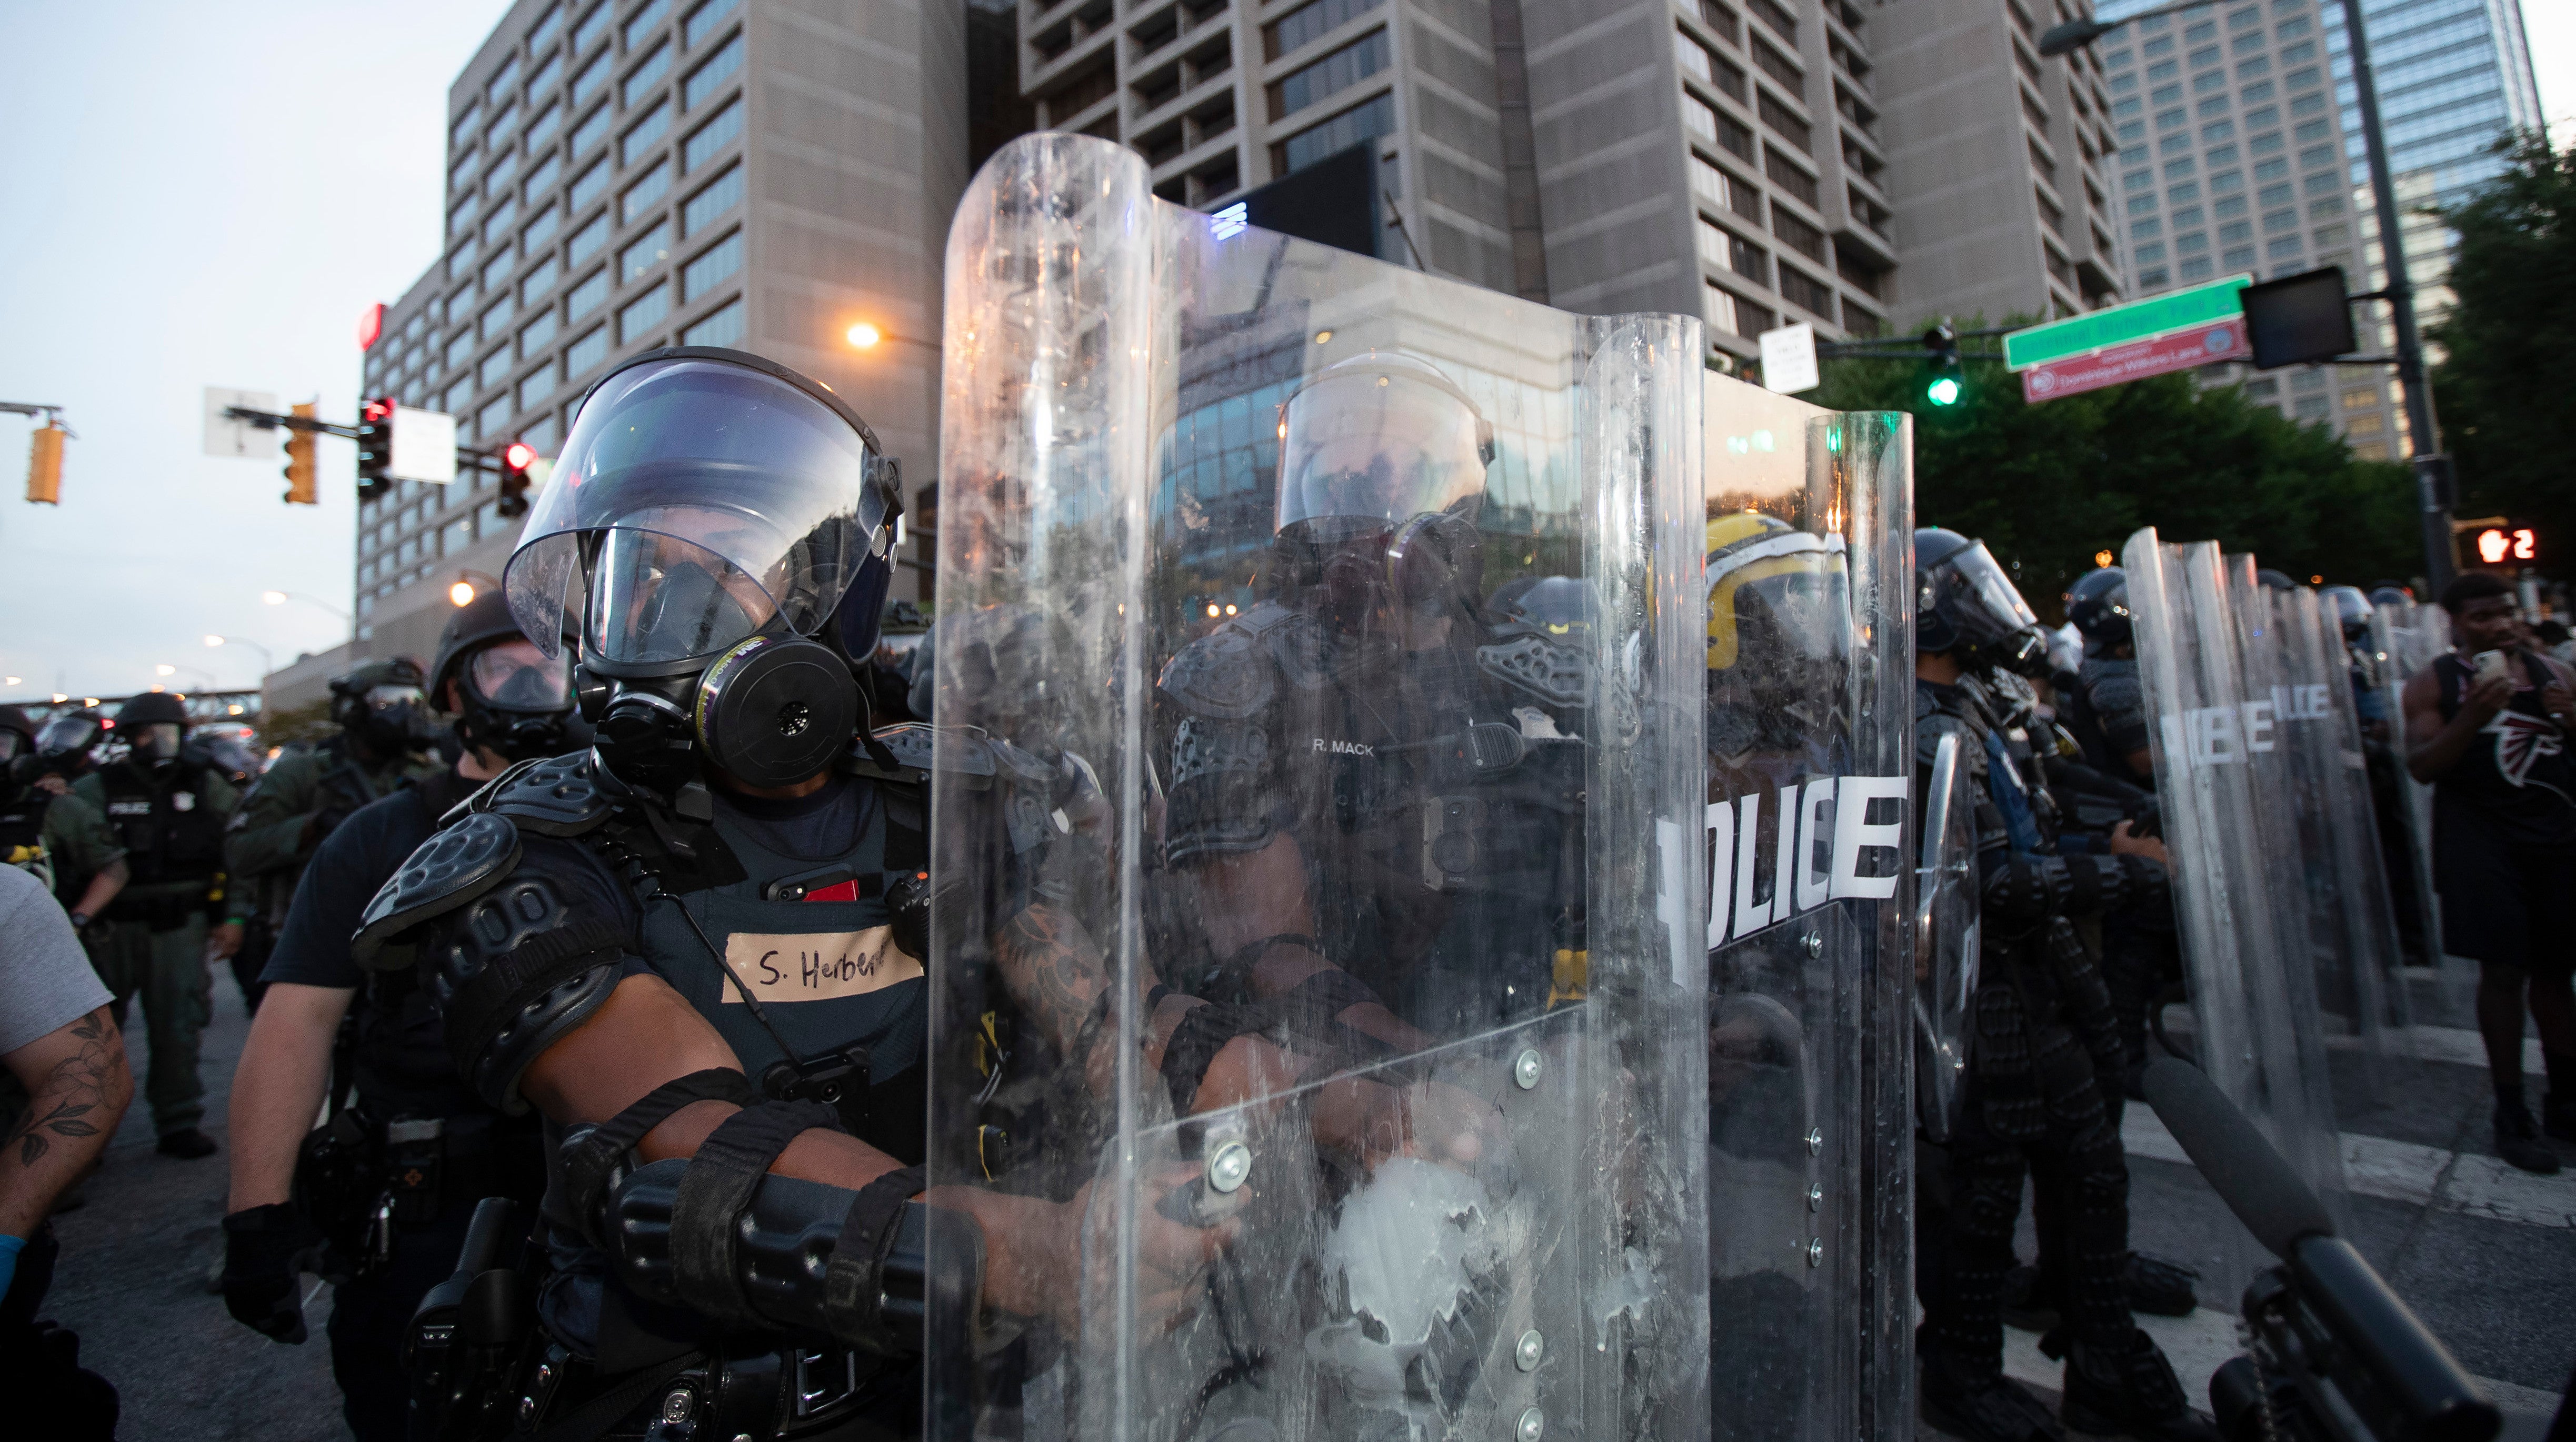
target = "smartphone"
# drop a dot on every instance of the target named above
(2490, 666)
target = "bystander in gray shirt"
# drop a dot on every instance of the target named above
(45, 978)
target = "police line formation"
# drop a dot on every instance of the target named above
(1328, 938)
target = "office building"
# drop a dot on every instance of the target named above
(1614, 156)
(1998, 160)
(624, 174)
(2231, 162)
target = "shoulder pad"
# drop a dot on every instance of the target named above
(1554, 674)
(915, 747)
(449, 870)
(558, 796)
(1227, 675)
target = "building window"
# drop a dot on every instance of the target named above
(632, 146)
(2227, 182)
(547, 27)
(587, 185)
(545, 78)
(707, 139)
(710, 268)
(1784, 120)
(586, 82)
(2146, 229)
(459, 347)
(541, 229)
(1311, 22)
(641, 314)
(586, 352)
(2311, 408)
(543, 178)
(645, 193)
(649, 250)
(2196, 241)
(592, 26)
(703, 19)
(587, 241)
(457, 395)
(496, 225)
(585, 297)
(2370, 424)
(1355, 126)
(545, 123)
(591, 131)
(497, 89)
(2284, 248)
(537, 335)
(1335, 73)
(1807, 293)
(2195, 269)
(1721, 311)
(534, 390)
(701, 85)
(1786, 174)
(2149, 254)
(2237, 231)
(720, 195)
(1702, 120)
(538, 281)
(494, 367)
(721, 327)
(641, 80)
(640, 26)
(494, 416)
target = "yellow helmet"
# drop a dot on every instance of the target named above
(1767, 578)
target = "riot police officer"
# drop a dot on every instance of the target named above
(58, 837)
(724, 888)
(168, 807)
(2041, 1095)
(382, 713)
(378, 1199)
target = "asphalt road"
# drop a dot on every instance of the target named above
(2486, 1256)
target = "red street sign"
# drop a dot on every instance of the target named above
(2179, 350)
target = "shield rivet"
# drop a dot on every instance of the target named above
(1533, 1426)
(1525, 1073)
(675, 1406)
(545, 1373)
(1228, 1165)
(1527, 1352)
(527, 1410)
(1814, 944)
(1815, 1141)
(1816, 1252)
(1816, 1197)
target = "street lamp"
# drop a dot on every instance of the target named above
(2432, 489)
(470, 584)
(867, 335)
(167, 669)
(267, 662)
(280, 598)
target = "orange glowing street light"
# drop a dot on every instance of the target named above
(868, 335)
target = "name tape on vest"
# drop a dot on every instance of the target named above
(812, 966)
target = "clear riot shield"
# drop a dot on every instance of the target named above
(1947, 941)
(1809, 727)
(2361, 984)
(1316, 976)
(2239, 908)
(2404, 640)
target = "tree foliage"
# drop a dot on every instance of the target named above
(2500, 392)
(2047, 486)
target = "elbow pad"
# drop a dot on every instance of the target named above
(817, 1262)
(2026, 889)
(512, 973)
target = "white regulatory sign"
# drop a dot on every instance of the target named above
(237, 439)
(424, 446)
(1789, 359)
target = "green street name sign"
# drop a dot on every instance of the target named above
(2139, 319)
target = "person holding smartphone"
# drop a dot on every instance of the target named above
(2487, 728)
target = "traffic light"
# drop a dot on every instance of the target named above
(301, 485)
(516, 457)
(45, 464)
(1944, 379)
(375, 447)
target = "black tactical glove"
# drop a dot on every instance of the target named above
(264, 1249)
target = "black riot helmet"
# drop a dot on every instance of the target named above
(1964, 602)
(1382, 463)
(383, 704)
(17, 735)
(2276, 580)
(2351, 610)
(719, 533)
(153, 726)
(63, 746)
(2098, 605)
(512, 697)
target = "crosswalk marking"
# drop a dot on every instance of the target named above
(2463, 1182)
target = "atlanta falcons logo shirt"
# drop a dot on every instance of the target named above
(2521, 740)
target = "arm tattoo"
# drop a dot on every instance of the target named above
(1053, 970)
(76, 1087)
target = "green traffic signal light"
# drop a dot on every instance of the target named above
(1943, 391)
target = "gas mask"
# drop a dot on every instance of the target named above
(515, 701)
(719, 533)
(158, 741)
(392, 718)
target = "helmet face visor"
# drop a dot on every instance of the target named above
(66, 734)
(701, 491)
(1989, 607)
(1780, 600)
(1374, 448)
(517, 676)
(12, 745)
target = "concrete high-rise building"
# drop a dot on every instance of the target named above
(1999, 162)
(2231, 162)
(1612, 156)
(624, 174)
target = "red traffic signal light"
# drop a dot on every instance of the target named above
(516, 457)
(375, 446)
(2508, 545)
